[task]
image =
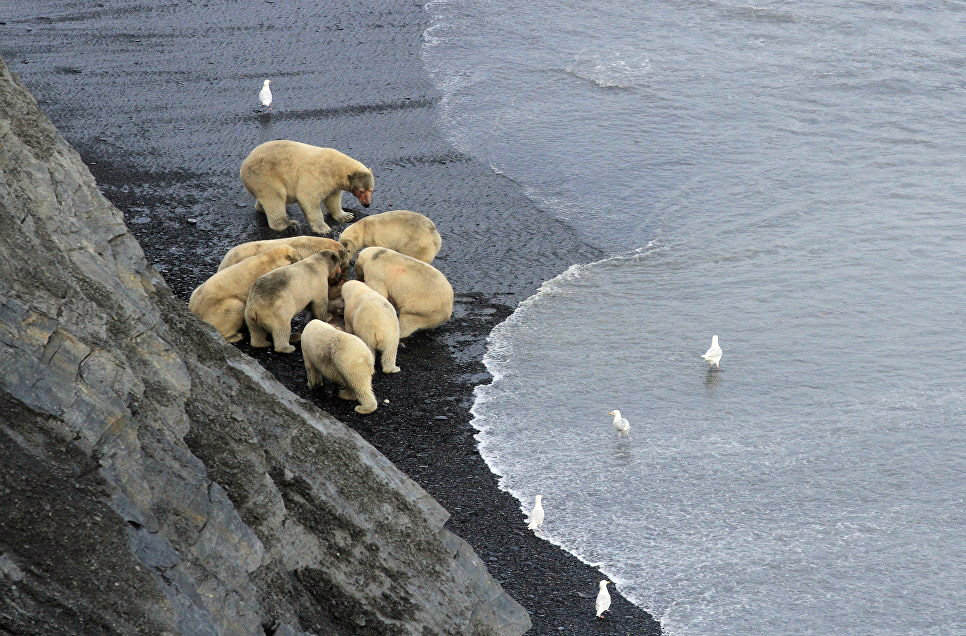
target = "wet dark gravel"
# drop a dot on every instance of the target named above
(160, 98)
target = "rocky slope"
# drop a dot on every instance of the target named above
(154, 479)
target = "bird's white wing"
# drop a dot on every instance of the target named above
(603, 602)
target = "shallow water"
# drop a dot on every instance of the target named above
(790, 177)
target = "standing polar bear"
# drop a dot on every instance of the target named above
(343, 359)
(407, 232)
(220, 300)
(418, 290)
(278, 296)
(304, 245)
(280, 172)
(372, 318)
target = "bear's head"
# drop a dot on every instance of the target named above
(283, 252)
(349, 244)
(333, 263)
(361, 185)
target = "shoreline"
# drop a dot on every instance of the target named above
(172, 170)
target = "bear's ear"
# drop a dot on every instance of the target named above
(292, 257)
(362, 180)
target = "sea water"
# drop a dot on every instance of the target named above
(790, 176)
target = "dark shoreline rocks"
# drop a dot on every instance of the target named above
(171, 165)
(155, 480)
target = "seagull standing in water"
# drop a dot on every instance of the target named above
(621, 425)
(265, 95)
(536, 513)
(603, 599)
(713, 355)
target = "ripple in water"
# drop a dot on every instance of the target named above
(796, 173)
(622, 67)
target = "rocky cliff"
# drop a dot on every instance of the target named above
(154, 479)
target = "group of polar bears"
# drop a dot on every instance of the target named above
(265, 284)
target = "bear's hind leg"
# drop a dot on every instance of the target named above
(274, 207)
(312, 375)
(367, 399)
(389, 356)
(320, 309)
(229, 319)
(258, 335)
(410, 323)
(280, 335)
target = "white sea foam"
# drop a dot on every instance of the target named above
(620, 67)
(813, 492)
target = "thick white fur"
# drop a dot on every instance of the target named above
(407, 232)
(278, 296)
(418, 290)
(343, 359)
(372, 318)
(304, 245)
(280, 172)
(220, 300)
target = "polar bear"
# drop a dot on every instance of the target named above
(405, 231)
(342, 358)
(278, 296)
(304, 245)
(220, 300)
(372, 318)
(418, 290)
(280, 172)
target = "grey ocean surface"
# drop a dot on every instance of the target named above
(789, 176)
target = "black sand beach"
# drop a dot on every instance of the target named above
(159, 100)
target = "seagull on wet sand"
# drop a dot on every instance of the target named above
(603, 599)
(713, 355)
(265, 95)
(621, 425)
(536, 513)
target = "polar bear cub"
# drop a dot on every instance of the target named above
(405, 231)
(372, 318)
(220, 300)
(342, 358)
(278, 296)
(418, 290)
(304, 245)
(280, 172)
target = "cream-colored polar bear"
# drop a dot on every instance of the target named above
(372, 318)
(282, 171)
(342, 358)
(304, 245)
(418, 290)
(278, 296)
(220, 300)
(407, 232)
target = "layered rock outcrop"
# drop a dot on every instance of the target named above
(156, 480)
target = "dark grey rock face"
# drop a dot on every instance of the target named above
(155, 480)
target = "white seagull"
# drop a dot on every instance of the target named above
(713, 355)
(265, 95)
(536, 513)
(603, 599)
(621, 425)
